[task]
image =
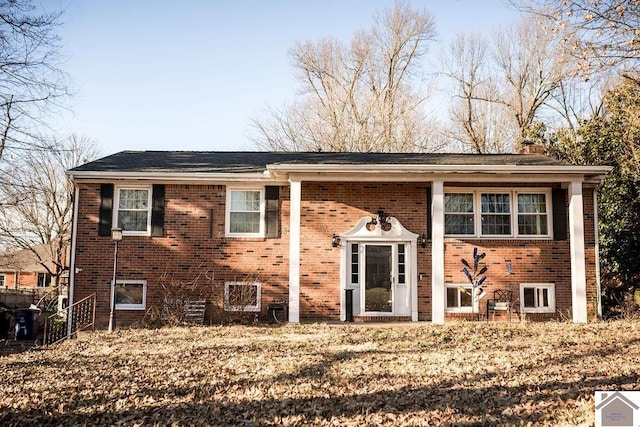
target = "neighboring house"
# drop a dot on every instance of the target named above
(307, 227)
(22, 269)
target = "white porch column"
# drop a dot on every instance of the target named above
(578, 269)
(437, 252)
(414, 281)
(294, 251)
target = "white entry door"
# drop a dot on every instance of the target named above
(378, 270)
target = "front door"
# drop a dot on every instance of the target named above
(378, 279)
(378, 270)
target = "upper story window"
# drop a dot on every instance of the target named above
(132, 210)
(490, 213)
(253, 212)
(532, 214)
(2, 281)
(245, 212)
(496, 214)
(459, 215)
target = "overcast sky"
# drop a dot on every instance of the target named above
(189, 75)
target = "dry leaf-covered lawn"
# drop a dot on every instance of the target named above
(417, 374)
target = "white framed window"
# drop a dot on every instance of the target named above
(3, 283)
(495, 214)
(354, 258)
(537, 298)
(245, 212)
(533, 214)
(459, 214)
(242, 296)
(498, 213)
(132, 210)
(131, 294)
(458, 298)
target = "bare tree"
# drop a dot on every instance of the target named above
(531, 67)
(600, 34)
(31, 82)
(478, 120)
(356, 97)
(36, 200)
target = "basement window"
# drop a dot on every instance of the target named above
(458, 298)
(242, 296)
(131, 294)
(537, 297)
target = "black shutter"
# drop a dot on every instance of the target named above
(272, 199)
(105, 214)
(429, 219)
(559, 202)
(157, 211)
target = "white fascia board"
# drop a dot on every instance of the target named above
(452, 177)
(442, 169)
(427, 173)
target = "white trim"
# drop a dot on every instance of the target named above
(294, 252)
(116, 208)
(578, 264)
(363, 234)
(143, 305)
(227, 212)
(438, 299)
(412, 275)
(551, 295)
(245, 308)
(441, 168)
(513, 193)
(459, 309)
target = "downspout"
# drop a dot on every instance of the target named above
(72, 263)
(597, 249)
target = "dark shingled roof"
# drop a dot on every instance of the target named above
(245, 161)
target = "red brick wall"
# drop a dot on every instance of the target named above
(24, 279)
(329, 207)
(194, 246)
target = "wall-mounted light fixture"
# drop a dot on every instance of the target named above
(422, 240)
(335, 240)
(509, 266)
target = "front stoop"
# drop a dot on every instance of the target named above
(366, 319)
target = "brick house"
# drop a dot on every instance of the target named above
(25, 268)
(386, 231)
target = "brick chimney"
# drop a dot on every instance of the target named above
(529, 147)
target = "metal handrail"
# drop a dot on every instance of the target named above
(84, 316)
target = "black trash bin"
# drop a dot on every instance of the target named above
(278, 312)
(348, 297)
(26, 325)
(5, 323)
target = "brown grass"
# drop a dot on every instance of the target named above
(410, 374)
